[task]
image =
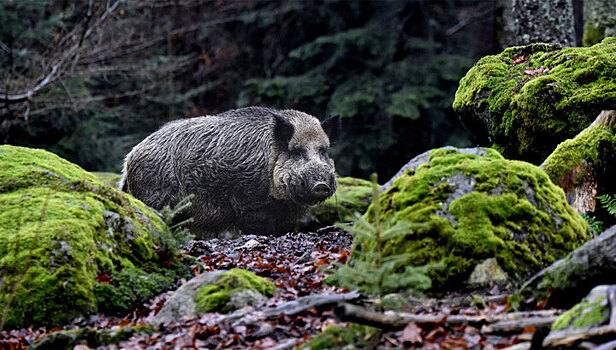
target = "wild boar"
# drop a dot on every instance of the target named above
(251, 170)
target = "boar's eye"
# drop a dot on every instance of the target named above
(323, 152)
(297, 153)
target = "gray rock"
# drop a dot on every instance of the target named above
(424, 158)
(182, 303)
(251, 245)
(246, 297)
(487, 274)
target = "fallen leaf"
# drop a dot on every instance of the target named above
(411, 334)
(520, 59)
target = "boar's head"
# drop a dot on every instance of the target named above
(304, 171)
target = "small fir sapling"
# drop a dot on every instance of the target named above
(371, 271)
(176, 235)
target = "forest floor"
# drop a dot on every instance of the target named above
(297, 264)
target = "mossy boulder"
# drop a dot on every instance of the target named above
(352, 195)
(71, 245)
(218, 297)
(528, 99)
(111, 179)
(476, 207)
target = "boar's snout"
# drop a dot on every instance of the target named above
(321, 191)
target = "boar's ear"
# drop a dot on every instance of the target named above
(332, 126)
(283, 131)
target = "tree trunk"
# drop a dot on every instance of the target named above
(524, 22)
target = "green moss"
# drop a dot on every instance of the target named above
(214, 297)
(109, 179)
(592, 147)
(352, 195)
(135, 286)
(61, 228)
(593, 34)
(512, 213)
(529, 98)
(584, 314)
(90, 337)
(336, 337)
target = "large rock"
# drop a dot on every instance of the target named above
(528, 99)
(478, 207)
(71, 246)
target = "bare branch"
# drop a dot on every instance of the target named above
(58, 66)
(28, 94)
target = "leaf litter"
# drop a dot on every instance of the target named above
(297, 263)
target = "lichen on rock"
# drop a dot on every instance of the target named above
(70, 245)
(528, 99)
(479, 207)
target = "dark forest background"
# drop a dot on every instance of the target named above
(88, 80)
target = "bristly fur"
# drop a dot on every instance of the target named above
(251, 169)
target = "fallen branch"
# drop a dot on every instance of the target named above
(467, 300)
(611, 345)
(512, 326)
(568, 337)
(252, 316)
(56, 68)
(392, 320)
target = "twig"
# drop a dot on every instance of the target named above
(520, 346)
(4, 47)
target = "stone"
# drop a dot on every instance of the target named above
(527, 99)
(487, 274)
(475, 205)
(182, 302)
(72, 246)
